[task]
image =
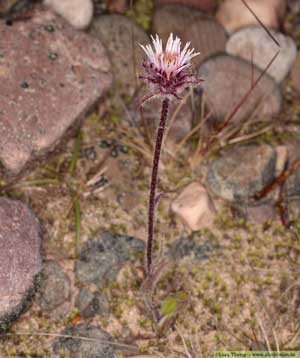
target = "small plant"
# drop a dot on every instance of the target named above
(168, 73)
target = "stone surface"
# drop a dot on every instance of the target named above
(260, 214)
(63, 73)
(91, 304)
(194, 206)
(20, 258)
(121, 37)
(78, 13)
(54, 294)
(295, 73)
(233, 14)
(241, 171)
(254, 42)
(204, 33)
(293, 186)
(150, 112)
(202, 5)
(227, 79)
(77, 348)
(102, 257)
(191, 246)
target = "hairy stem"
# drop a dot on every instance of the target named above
(153, 184)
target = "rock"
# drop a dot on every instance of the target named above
(295, 73)
(78, 13)
(282, 157)
(241, 171)
(227, 79)
(97, 347)
(121, 37)
(254, 41)
(233, 14)
(260, 214)
(62, 75)
(293, 186)
(102, 257)
(20, 258)
(204, 33)
(91, 304)
(202, 5)
(191, 246)
(117, 6)
(54, 295)
(149, 114)
(194, 207)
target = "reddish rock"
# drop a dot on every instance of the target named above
(233, 14)
(20, 258)
(50, 77)
(203, 5)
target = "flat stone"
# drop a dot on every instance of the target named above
(191, 246)
(202, 5)
(241, 171)
(73, 347)
(102, 257)
(194, 206)
(20, 258)
(121, 37)
(254, 42)
(54, 294)
(233, 14)
(206, 35)
(91, 304)
(227, 79)
(62, 74)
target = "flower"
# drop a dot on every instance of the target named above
(168, 71)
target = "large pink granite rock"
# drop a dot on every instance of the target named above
(50, 76)
(20, 258)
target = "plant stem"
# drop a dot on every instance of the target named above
(153, 184)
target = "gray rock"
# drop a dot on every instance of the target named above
(293, 186)
(254, 41)
(121, 37)
(101, 258)
(206, 35)
(150, 114)
(191, 246)
(20, 258)
(91, 304)
(97, 347)
(54, 295)
(241, 171)
(63, 73)
(227, 79)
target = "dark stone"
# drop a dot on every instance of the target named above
(80, 348)
(191, 246)
(20, 258)
(293, 185)
(91, 304)
(101, 258)
(54, 294)
(241, 172)
(117, 32)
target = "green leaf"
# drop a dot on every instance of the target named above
(169, 306)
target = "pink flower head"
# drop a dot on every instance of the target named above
(168, 71)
